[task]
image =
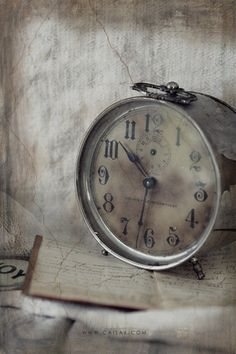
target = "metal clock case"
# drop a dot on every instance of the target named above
(150, 174)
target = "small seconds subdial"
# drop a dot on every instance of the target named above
(154, 151)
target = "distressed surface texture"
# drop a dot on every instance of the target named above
(62, 63)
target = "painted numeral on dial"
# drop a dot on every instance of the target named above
(108, 205)
(201, 195)
(111, 149)
(178, 136)
(195, 157)
(147, 122)
(148, 238)
(173, 238)
(191, 218)
(103, 175)
(157, 120)
(130, 129)
(125, 221)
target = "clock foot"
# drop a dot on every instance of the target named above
(197, 268)
(105, 253)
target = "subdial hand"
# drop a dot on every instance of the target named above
(134, 159)
(149, 183)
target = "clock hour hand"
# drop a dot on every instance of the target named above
(134, 159)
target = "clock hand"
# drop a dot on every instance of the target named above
(149, 183)
(134, 159)
(140, 222)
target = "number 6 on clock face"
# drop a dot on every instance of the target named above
(148, 183)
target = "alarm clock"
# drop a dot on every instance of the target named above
(150, 174)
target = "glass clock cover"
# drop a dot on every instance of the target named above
(148, 183)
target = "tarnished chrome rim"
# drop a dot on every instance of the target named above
(95, 224)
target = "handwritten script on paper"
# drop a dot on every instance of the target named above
(178, 287)
(79, 274)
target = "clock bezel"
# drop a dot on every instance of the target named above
(94, 221)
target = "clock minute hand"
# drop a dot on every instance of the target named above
(148, 183)
(134, 159)
(140, 222)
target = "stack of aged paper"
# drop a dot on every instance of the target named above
(58, 271)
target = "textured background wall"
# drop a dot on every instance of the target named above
(63, 62)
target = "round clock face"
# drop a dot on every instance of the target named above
(148, 183)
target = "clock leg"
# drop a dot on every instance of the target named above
(197, 268)
(104, 252)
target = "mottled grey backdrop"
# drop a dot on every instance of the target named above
(62, 62)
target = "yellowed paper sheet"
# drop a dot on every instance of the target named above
(178, 288)
(83, 275)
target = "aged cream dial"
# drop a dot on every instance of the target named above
(149, 182)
